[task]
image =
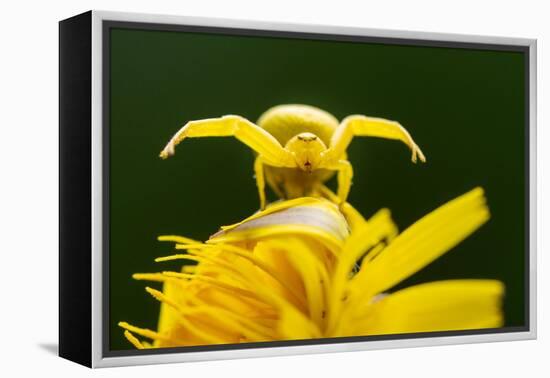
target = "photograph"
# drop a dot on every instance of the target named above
(276, 189)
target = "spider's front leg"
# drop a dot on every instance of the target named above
(354, 217)
(248, 133)
(359, 125)
(269, 150)
(260, 180)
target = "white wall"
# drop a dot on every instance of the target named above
(28, 200)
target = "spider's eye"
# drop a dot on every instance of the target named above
(307, 137)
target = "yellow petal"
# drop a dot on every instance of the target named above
(437, 306)
(168, 317)
(293, 325)
(367, 235)
(316, 218)
(133, 340)
(312, 274)
(423, 242)
(275, 207)
(273, 255)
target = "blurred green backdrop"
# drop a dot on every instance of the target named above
(465, 108)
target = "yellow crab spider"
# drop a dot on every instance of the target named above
(298, 147)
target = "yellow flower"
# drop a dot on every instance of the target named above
(298, 270)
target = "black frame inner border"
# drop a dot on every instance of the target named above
(108, 25)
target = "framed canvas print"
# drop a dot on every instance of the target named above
(235, 189)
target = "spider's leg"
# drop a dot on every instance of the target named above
(359, 125)
(250, 134)
(260, 180)
(275, 184)
(345, 174)
(324, 191)
(351, 214)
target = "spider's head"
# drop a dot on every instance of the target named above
(307, 149)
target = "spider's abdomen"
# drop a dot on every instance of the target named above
(287, 121)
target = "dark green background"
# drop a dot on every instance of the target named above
(465, 108)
